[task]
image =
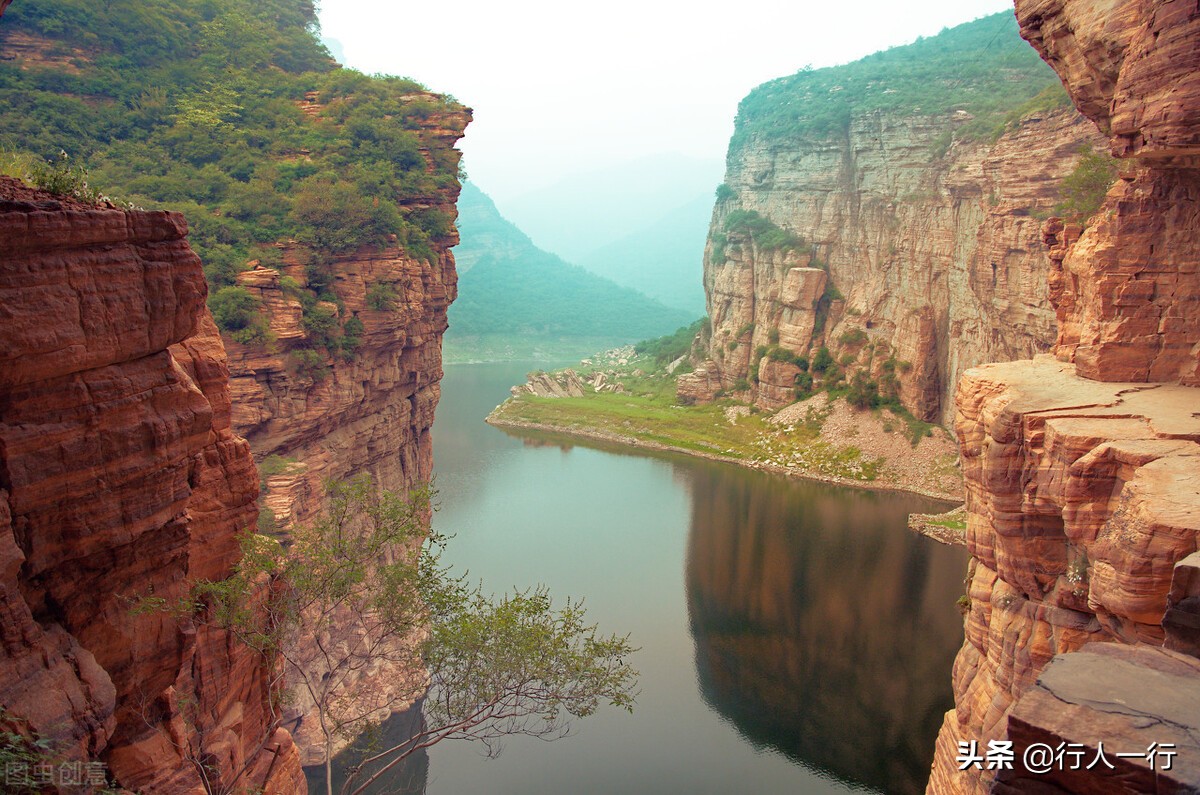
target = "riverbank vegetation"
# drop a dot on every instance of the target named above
(822, 437)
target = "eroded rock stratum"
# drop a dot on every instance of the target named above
(1082, 469)
(121, 478)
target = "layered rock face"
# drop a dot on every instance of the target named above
(1081, 497)
(1082, 473)
(370, 412)
(332, 416)
(935, 254)
(121, 478)
(1128, 291)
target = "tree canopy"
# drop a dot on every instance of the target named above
(365, 619)
(230, 111)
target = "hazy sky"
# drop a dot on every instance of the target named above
(561, 87)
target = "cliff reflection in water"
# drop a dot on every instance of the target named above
(823, 627)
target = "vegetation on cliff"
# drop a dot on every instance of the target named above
(765, 234)
(1083, 190)
(231, 112)
(488, 667)
(840, 183)
(628, 398)
(670, 347)
(982, 68)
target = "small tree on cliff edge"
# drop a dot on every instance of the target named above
(363, 590)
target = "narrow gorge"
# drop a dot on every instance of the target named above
(967, 232)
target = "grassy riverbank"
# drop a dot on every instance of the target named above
(818, 438)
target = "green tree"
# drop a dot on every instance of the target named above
(336, 216)
(864, 393)
(1083, 190)
(233, 308)
(364, 589)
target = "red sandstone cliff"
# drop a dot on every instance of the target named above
(1083, 474)
(369, 412)
(120, 477)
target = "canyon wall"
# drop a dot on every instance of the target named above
(1082, 468)
(315, 414)
(121, 478)
(916, 251)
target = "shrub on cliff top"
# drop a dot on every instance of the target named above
(233, 307)
(766, 233)
(336, 216)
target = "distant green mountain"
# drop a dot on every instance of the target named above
(664, 258)
(582, 213)
(517, 301)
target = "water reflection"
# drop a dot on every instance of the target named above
(823, 628)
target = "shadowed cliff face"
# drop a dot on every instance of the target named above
(802, 607)
(1082, 473)
(1127, 290)
(119, 478)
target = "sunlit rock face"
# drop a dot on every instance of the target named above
(1081, 496)
(1083, 471)
(939, 259)
(120, 477)
(802, 605)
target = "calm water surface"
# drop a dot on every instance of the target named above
(796, 637)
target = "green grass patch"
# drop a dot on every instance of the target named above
(649, 414)
(953, 524)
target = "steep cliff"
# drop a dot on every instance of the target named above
(322, 204)
(1081, 473)
(873, 211)
(355, 395)
(322, 207)
(121, 479)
